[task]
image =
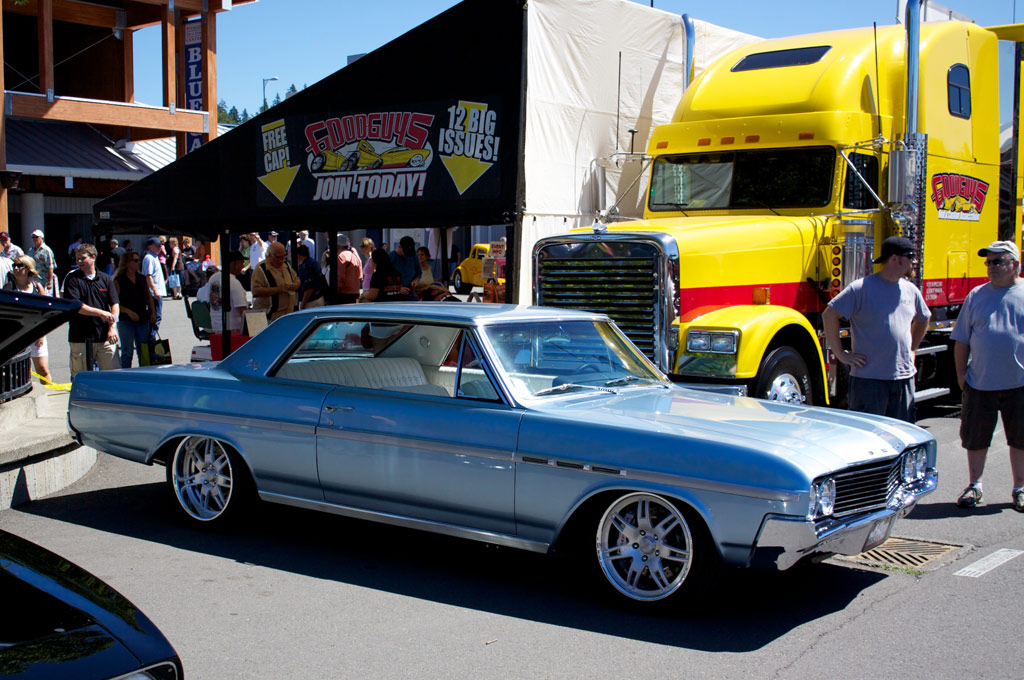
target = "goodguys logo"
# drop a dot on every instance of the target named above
(959, 197)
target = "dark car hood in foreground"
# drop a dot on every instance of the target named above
(26, 317)
(60, 621)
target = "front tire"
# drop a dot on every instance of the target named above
(461, 287)
(207, 480)
(784, 377)
(649, 551)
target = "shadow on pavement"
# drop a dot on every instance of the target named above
(746, 610)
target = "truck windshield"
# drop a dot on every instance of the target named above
(764, 178)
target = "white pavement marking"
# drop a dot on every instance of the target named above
(987, 564)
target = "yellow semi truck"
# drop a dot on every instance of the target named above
(785, 166)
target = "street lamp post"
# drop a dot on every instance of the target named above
(265, 81)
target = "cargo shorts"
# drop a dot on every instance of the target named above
(979, 412)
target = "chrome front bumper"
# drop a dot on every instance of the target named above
(784, 540)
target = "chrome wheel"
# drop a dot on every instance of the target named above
(201, 475)
(644, 547)
(785, 388)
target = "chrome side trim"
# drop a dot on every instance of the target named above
(202, 416)
(662, 478)
(394, 440)
(409, 522)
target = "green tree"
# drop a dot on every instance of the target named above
(222, 112)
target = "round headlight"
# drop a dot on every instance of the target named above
(827, 497)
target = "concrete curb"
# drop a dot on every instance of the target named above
(44, 475)
(38, 457)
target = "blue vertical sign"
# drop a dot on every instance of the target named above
(194, 77)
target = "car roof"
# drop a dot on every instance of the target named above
(474, 313)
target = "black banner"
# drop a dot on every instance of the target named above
(425, 131)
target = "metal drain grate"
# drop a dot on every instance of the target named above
(905, 553)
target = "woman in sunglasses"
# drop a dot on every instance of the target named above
(137, 310)
(24, 278)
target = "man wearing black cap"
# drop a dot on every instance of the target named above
(990, 332)
(154, 274)
(888, 319)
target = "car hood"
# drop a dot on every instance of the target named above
(817, 440)
(71, 624)
(26, 317)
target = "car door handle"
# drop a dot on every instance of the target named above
(331, 408)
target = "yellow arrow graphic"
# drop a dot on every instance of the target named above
(280, 181)
(464, 171)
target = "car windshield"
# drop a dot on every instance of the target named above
(562, 357)
(763, 178)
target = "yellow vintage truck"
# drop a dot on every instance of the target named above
(784, 167)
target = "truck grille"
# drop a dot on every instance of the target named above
(624, 288)
(866, 487)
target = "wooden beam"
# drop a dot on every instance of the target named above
(106, 113)
(44, 23)
(72, 12)
(3, 136)
(195, 6)
(169, 46)
(210, 71)
(180, 148)
(128, 39)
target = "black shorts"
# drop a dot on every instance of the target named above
(978, 417)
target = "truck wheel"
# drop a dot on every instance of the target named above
(784, 377)
(460, 287)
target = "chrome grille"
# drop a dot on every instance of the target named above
(624, 288)
(866, 487)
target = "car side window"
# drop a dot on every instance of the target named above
(387, 356)
(473, 381)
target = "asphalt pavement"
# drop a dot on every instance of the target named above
(299, 594)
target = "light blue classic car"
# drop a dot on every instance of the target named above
(527, 427)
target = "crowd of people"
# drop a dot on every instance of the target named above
(122, 291)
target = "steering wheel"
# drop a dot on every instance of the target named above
(589, 368)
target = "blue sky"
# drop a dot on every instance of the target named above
(302, 41)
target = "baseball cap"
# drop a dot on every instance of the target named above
(895, 245)
(4, 236)
(343, 240)
(235, 256)
(153, 241)
(1001, 247)
(38, 232)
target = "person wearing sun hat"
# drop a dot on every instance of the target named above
(989, 355)
(888, 320)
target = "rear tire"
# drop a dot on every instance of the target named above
(208, 481)
(784, 377)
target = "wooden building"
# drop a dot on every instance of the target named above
(70, 119)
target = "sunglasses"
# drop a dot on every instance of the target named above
(18, 266)
(996, 263)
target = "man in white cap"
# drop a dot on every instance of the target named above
(46, 264)
(990, 333)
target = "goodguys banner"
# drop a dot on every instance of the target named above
(438, 151)
(425, 131)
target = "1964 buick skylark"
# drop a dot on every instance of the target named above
(519, 426)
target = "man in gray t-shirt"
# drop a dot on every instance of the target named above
(990, 333)
(888, 319)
